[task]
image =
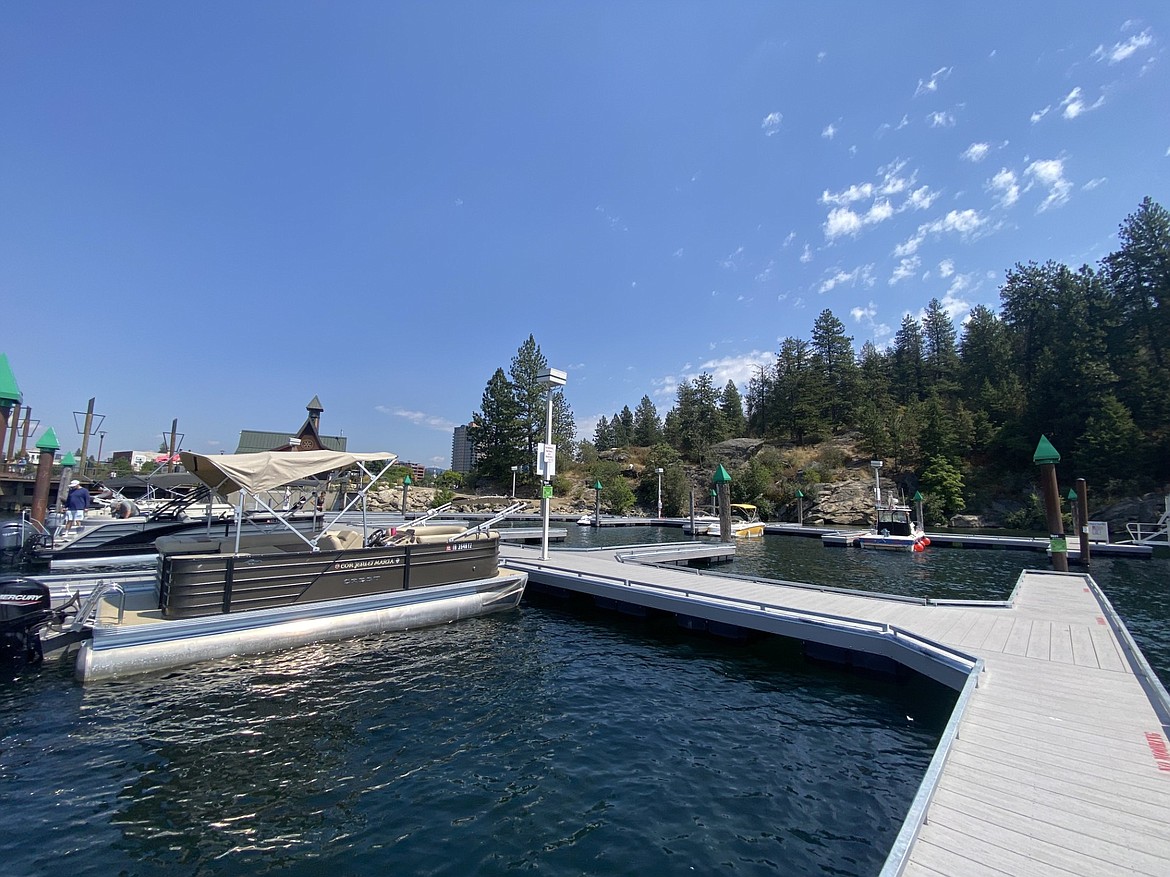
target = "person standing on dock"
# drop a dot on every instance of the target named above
(75, 505)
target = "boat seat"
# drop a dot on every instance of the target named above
(340, 540)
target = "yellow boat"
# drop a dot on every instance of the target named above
(745, 522)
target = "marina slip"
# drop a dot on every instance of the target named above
(1055, 759)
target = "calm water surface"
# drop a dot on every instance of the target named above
(538, 741)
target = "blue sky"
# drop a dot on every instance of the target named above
(215, 211)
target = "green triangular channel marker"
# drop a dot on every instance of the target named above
(9, 390)
(48, 441)
(721, 476)
(1045, 453)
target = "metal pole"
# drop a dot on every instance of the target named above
(174, 439)
(514, 468)
(545, 502)
(659, 494)
(13, 429)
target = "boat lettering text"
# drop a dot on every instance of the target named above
(459, 546)
(373, 563)
(358, 580)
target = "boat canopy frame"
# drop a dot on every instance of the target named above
(250, 474)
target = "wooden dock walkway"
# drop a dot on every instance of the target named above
(1055, 760)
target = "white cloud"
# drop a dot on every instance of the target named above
(771, 123)
(921, 198)
(678, 254)
(806, 256)
(879, 212)
(931, 85)
(766, 275)
(1040, 114)
(829, 132)
(1049, 173)
(848, 196)
(964, 223)
(1074, 105)
(841, 221)
(821, 56)
(740, 368)
(789, 239)
(862, 274)
(1005, 186)
(1122, 51)
(908, 267)
(733, 261)
(940, 119)
(866, 313)
(419, 418)
(946, 268)
(976, 152)
(1094, 183)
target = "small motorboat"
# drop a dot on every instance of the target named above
(214, 596)
(699, 524)
(745, 522)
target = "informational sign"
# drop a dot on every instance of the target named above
(546, 461)
(546, 491)
(1057, 544)
(1098, 531)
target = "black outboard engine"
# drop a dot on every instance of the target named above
(24, 611)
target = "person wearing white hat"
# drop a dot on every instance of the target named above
(75, 505)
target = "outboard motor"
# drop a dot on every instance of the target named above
(24, 611)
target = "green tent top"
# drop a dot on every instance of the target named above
(1045, 453)
(9, 390)
(721, 476)
(48, 441)
(69, 460)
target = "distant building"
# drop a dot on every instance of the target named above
(136, 459)
(307, 438)
(462, 451)
(417, 470)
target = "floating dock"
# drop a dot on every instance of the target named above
(1055, 759)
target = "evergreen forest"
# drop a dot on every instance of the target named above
(1081, 355)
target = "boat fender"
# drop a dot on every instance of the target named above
(918, 546)
(925, 541)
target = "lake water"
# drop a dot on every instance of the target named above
(541, 741)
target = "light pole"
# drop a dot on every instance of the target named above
(101, 443)
(546, 457)
(659, 471)
(515, 469)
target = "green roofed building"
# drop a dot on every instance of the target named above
(307, 438)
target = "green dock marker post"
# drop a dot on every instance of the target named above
(722, 482)
(406, 482)
(597, 503)
(1046, 457)
(10, 399)
(48, 447)
(799, 508)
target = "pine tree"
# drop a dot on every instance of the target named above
(906, 366)
(833, 359)
(602, 435)
(647, 425)
(495, 429)
(939, 348)
(731, 405)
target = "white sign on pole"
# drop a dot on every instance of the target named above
(546, 461)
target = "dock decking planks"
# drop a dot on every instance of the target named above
(1052, 771)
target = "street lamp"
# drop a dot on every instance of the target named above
(546, 457)
(515, 469)
(659, 471)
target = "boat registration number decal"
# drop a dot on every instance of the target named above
(373, 563)
(459, 546)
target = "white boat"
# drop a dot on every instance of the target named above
(585, 520)
(745, 522)
(894, 528)
(701, 524)
(246, 593)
